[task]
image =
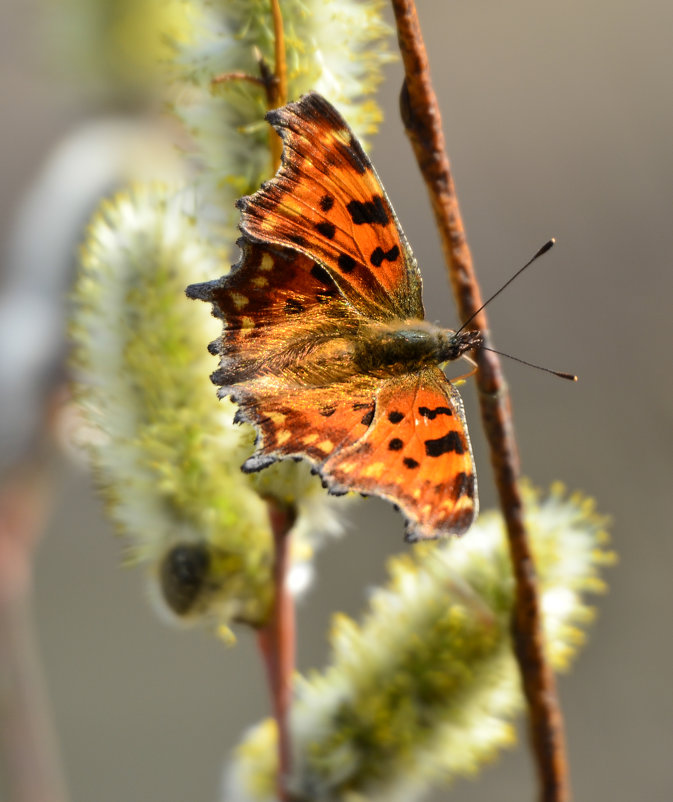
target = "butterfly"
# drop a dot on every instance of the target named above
(325, 348)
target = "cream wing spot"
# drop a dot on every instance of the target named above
(374, 470)
(267, 263)
(239, 300)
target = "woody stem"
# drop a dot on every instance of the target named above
(278, 96)
(421, 117)
(277, 640)
(229, 77)
(280, 63)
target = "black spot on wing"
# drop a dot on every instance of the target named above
(395, 417)
(346, 263)
(326, 203)
(373, 211)
(326, 412)
(395, 444)
(451, 441)
(426, 412)
(318, 272)
(464, 485)
(411, 463)
(378, 255)
(297, 239)
(326, 228)
(368, 417)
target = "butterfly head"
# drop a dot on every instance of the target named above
(455, 344)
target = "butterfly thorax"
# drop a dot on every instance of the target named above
(409, 345)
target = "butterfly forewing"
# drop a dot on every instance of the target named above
(279, 309)
(327, 201)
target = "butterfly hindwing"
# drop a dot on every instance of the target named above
(311, 422)
(327, 202)
(417, 454)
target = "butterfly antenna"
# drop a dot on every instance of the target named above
(546, 247)
(561, 374)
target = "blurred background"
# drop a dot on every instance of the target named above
(559, 121)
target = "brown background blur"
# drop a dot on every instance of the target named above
(559, 121)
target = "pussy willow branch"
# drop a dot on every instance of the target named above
(422, 120)
(277, 640)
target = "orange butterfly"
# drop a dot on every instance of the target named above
(325, 349)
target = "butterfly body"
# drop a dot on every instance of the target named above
(325, 349)
(389, 349)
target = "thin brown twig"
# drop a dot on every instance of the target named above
(277, 640)
(422, 120)
(280, 62)
(226, 77)
(279, 86)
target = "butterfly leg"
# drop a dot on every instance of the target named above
(469, 375)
